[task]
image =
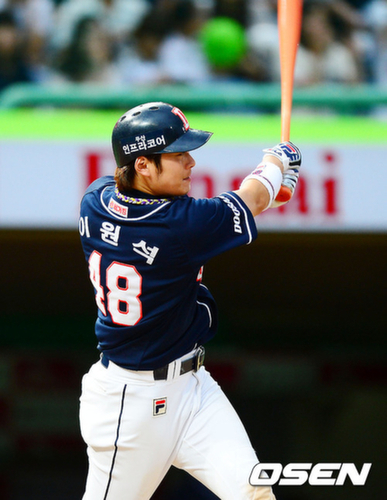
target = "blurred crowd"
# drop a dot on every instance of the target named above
(147, 42)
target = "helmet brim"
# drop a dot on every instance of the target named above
(192, 139)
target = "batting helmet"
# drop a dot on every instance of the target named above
(155, 127)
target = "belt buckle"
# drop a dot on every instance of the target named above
(199, 357)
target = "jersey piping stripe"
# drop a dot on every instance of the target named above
(115, 443)
(116, 216)
(244, 211)
(208, 310)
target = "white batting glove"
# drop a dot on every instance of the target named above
(287, 153)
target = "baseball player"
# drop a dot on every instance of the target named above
(149, 403)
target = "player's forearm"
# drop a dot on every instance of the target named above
(255, 196)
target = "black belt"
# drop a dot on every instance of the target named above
(188, 365)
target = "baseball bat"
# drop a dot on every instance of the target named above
(289, 32)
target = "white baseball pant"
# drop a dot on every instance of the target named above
(136, 428)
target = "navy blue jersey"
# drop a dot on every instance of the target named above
(146, 263)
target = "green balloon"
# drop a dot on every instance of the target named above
(224, 42)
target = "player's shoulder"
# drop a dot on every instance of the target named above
(187, 211)
(99, 184)
(228, 199)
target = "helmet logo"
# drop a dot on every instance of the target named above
(180, 114)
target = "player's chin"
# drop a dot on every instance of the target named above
(186, 185)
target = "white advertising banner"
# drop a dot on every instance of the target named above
(342, 188)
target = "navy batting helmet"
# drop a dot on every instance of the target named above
(155, 127)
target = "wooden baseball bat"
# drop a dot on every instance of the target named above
(289, 31)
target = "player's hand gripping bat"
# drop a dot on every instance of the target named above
(289, 31)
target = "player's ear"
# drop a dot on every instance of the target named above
(141, 166)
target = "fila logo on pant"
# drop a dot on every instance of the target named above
(159, 407)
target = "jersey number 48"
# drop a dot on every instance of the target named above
(124, 283)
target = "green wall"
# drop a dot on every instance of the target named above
(70, 124)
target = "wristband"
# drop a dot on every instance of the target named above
(268, 174)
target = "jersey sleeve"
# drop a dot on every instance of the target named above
(208, 227)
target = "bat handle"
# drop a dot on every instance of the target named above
(284, 194)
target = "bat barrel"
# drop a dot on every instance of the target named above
(289, 30)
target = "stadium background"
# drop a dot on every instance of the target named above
(301, 350)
